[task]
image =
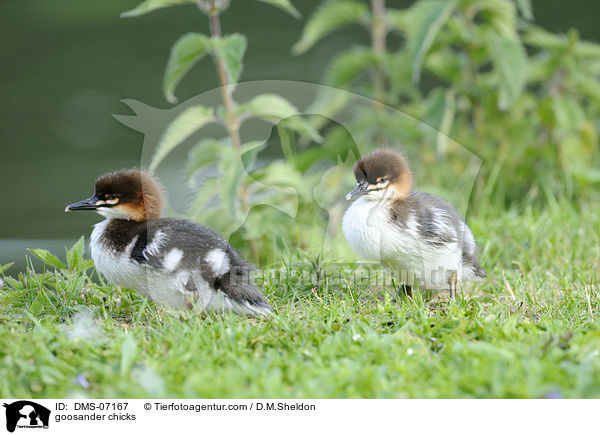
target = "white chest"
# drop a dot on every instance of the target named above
(115, 266)
(368, 229)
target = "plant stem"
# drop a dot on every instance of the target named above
(378, 35)
(233, 122)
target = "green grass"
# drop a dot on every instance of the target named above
(530, 330)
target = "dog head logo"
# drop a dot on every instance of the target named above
(26, 414)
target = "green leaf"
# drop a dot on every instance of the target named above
(345, 67)
(75, 254)
(426, 20)
(589, 87)
(327, 18)
(188, 50)
(230, 51)
(398, 19)
(150, 5)
(4, 267)
(502, 15)
(48, 258)
(510, 62)
(37, 306)
(274, 108)
(209, 188)
(232, 172)
(525, 9)
(271, 107)
(540, 38)
(286, 5)
(568, 113)
(187, 123)
(128, 353)
(250, 151)
(203, 153)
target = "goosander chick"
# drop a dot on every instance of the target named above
(419, 236)
(174, 262)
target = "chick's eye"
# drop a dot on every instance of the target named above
(384, 179)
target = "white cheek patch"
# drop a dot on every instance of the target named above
(218, 261)
(172, 259)
(112, 213)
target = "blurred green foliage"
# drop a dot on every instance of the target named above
(443, 76)
(478, 71)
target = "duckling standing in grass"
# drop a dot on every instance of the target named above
(175, 262)
(418, 236)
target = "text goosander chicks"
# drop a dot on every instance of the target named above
(417, 235)
(175, 262)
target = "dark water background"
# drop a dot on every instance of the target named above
(65, 64)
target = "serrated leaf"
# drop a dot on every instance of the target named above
(274, 108)
(426, 20)
(187, 123)
(510, 62)
(250, 151)
(271, 107)
(48, 258)
(232, 172)
(37, 306)
(208, 189)
(286, 5)
(230, 51)
(328, 17)
(345, 67)
(203, 153)
(75, 254)
(151, 5)
(188, 50)
(502, 15)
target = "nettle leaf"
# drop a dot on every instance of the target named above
(250, 151)
(525, 9)
(187, 123)
(329, 17)
(426, 20)
(48, 258)
(286, 5)
(188, 50)
(230, 50)
(232, 173)
(510, 62)
(271, 107)
(347, 66)
(203, 153)
(502, 15)
(150, 5)
(540, 38)
(274, 108)
(398, 19)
